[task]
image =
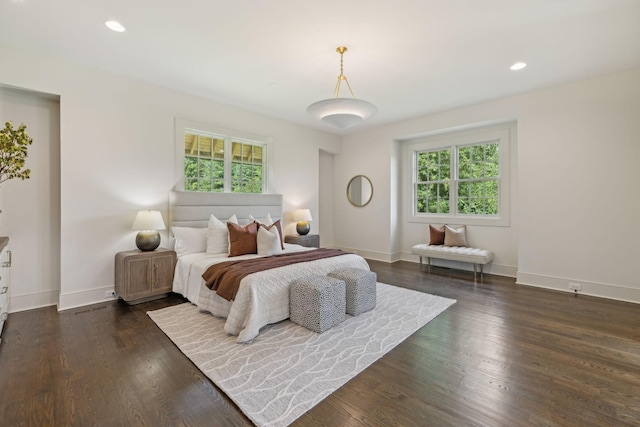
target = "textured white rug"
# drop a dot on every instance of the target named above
(288, 369)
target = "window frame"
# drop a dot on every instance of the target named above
(229, 136)
(504, 135)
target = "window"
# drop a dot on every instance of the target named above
(214, 162)
(203, 163)
(478, 178)
(434, 177)
(246, 167)
(475, 172)
(462, 177)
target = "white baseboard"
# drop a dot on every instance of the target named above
(603, 290)
(376, 256)
(82, 298)
(63, 301)
(31, 301)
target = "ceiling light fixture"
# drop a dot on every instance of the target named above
(115, 26)
(518, 66)
(342, 112)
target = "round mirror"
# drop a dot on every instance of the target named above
(359, 190)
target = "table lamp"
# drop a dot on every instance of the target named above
(303, 216)
(148, 222)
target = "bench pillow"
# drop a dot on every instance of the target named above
(455, 236)
(436, 235)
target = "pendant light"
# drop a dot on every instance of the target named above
(342, 113)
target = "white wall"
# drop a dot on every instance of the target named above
(380, 230)
(325, 227)
(575, 210)
(365, 230)
(117, 156)
(580, 207)
(575, 199)
(31, 208)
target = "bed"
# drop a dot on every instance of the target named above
(263, 297)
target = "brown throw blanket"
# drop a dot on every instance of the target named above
(225, 277)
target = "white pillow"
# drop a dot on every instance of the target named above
(268, 241)
(189, 240)
(218, 235)
(266, 221)
(455, 236)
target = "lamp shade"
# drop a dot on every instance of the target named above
(302, 215)
(342, 113)
(148, 220)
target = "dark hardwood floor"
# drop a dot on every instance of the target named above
(503, 355)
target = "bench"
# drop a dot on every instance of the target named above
(453, 253)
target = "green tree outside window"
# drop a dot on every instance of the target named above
(468, 181)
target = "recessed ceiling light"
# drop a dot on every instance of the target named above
(115, 26)
(518, 66)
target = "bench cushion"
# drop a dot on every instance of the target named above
(453, 253)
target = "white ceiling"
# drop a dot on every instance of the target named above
(408, 57)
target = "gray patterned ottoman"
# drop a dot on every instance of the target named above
(361, 288)
(317, 302)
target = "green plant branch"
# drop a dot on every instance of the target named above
(13, 152)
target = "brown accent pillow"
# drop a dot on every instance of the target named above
(278, 227)
(243, 240)
(455, 236)
(436, 235)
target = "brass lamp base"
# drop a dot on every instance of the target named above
(303, 227)
(148, 240)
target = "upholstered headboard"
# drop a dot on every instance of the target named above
(193, 209)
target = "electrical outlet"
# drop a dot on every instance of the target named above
(575, 287)
(109, 294)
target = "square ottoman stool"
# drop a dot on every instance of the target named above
(317, 302)
(360, 287)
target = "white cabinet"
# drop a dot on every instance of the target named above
(5, 263)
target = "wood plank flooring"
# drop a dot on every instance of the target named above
(503, 355)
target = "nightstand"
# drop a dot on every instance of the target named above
(143, 276)
(308, 240)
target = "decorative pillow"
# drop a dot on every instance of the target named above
(268, 221)
(189, 240)
(242, 240)
(436, 235)
(455, 236)
(268, 240)
(218, 235)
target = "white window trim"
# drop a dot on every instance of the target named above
(229, 135)
(504, 134)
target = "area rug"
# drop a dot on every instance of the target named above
(288, 369)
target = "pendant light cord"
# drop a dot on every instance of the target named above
(336, 93)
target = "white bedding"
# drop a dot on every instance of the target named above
(262, 298)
